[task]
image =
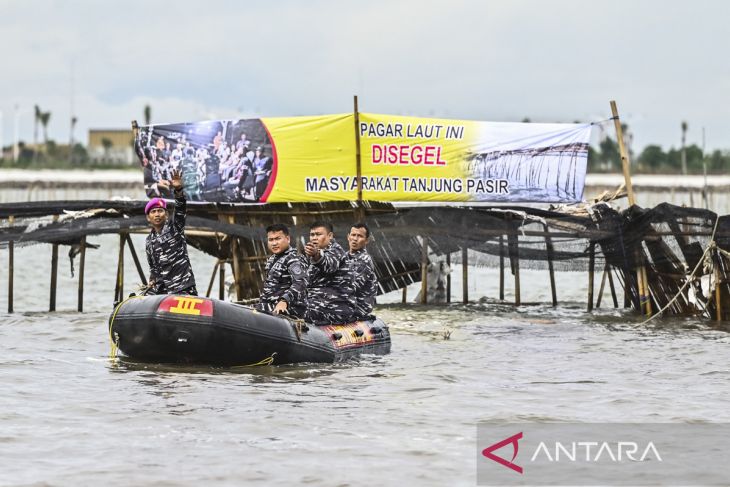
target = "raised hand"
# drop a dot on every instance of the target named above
(176, 180)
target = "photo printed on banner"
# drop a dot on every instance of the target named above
(221, 161)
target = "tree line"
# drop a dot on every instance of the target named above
(653, 159)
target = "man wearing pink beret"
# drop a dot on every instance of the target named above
(167, 250)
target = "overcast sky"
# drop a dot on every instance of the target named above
(551, 61)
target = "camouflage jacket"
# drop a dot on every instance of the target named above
(286, 278)
(330, 280)
(167, 253)
(364, 280)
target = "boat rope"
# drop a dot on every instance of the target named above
(705, 259)
(266, 361)
(114, 339)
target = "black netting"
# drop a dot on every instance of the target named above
(668, 241)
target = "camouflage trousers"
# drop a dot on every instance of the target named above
(328, 312)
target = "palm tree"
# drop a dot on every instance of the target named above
(147, 114)
(45, 117)
(73, 126)
(71, 139)
(35, 124)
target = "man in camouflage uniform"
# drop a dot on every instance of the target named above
(167, 251)
(330, 293)
(285, 287)
(363, 271)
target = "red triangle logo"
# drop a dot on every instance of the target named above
(487, 452)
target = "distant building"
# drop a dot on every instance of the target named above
(111, 146)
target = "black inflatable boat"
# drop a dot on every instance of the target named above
(190, 329)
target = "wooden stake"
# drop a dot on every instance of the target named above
(549, 247)
(119, 288)
(212, 278)
(625, 162)
(424, 272)
(602, 286)
(82, 268)
(647, 291)
(626, 167)
(513, 246)
(236, 268)
(404, 297)
(448, 278)
(718, 302)
(465, 274)
(237, 249)
(54, 276)
(501, 268)
(11, 267)
(591, 269)
(140, 271)
(222, 281)
(517, 275)
(611, 286)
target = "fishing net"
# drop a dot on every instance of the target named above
(668, 241)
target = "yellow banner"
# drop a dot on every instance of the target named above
(315, 158)
(309, 159)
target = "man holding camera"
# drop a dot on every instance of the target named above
(330, 293)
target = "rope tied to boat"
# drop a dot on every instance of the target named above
(299, 327)
(707, 267)
(264, 362)
(114, 337)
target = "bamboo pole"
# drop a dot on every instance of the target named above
(513, 246)
(625, 163)
(501, 268)
(82, 268)
(358, 157)
(222, 281)
(591, 272)
(448, 278)
(424, 272)
(11, 267)
(551, 270)
(465, 274)
(132, 250)
(236, 268)
(212, 278)
(626, 166)
(517, 272)
(602, 286)
(119, 287)
(718, 301)
(54, 276)
(647, 291)
(54, 272)
(237, 249)
(611, 286)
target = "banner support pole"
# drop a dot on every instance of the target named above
(360, 211)
(644, 293)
